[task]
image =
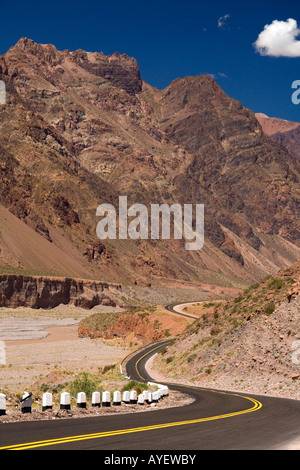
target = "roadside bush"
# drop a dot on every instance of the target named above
(86, 383)
(137, 386)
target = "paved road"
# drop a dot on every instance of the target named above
(177, 308)
(216, 420)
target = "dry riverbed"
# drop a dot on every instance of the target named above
(44, 346)
(36, 343)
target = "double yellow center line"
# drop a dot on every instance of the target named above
(65, 440)
(147, 354)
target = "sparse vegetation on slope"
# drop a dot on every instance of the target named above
(246, 342)
(136, 326)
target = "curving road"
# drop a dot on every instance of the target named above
(216, 420)
(174, 308)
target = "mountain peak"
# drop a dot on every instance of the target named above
(32, 47)
(273, 125)
(120, 70)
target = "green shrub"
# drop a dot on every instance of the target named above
(86, 383)
(170, 359)
(192, 357)
(269, 309)
(208, 304)
(133, 385)
(108, 368)
(276, 284)
(250, 288)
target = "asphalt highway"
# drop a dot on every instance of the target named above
(216, 420)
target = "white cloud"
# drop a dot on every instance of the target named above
(279, 39)
(215, 75)
(222, 20)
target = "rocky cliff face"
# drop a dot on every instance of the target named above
(80, 129)
(47, 293)
(286, 133)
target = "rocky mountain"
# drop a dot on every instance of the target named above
(80, 129)
(273, 125)
(286, 133)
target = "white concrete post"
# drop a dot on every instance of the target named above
(141, 399)
(96, 399)
(146, 396)
(81, 400)
(2, 404)
(47, 401)
(155, 397)
(126, 396)
(117, 398)
(133, 397)
(106, 399)
(26, 402)
(65, 401)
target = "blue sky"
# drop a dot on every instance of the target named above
(170, 39)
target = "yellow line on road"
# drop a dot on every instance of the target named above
(64, 440)
(137, 362)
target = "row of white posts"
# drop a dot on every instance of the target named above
(129, 397)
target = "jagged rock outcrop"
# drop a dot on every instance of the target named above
(47, 293)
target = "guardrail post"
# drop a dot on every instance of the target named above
(106, 399)
(2, 404)
(117, 398)
(164, 391)
(47, 401)
(146, 396)
(26, 402)
(65, 401)
(141, 399)
(155, 397)
(96, 399)
(126, 397)
(81, 400)
(133, 397)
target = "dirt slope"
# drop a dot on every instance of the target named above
(22, 247)
(250, 343)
